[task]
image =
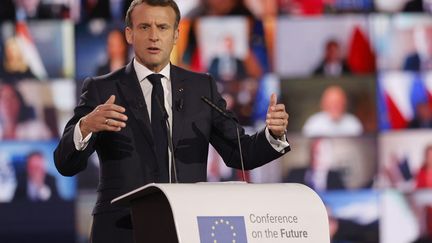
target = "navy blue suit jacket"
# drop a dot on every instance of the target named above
(127, 158)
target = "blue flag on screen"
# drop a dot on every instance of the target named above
(222, 229)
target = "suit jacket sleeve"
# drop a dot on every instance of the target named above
(256, 149)
(68, 160)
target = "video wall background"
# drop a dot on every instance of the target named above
(355, 77)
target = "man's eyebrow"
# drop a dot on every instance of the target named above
(163, 24)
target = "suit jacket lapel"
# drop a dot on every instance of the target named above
(131, 90)
(178, 92)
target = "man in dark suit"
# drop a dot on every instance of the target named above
(333, 63)
(227, 67)
(412, 62)
(423, 116)
(319, 174)
(120, 116)
(333, 179)
(35, 185)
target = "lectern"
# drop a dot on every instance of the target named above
(226, 213)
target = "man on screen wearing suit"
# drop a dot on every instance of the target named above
(120, 116)
(35, 184)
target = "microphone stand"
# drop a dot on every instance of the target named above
(171, 163)
(241, 153)
(219, 110)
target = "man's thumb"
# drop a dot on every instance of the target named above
(273, 99)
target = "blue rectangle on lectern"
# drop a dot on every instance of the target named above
(227, 229)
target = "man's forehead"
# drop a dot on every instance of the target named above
(145, 13)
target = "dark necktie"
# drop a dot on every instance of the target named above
(158, 125)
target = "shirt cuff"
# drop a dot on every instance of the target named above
(80, 143)
(278, 144)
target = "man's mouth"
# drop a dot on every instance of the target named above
(153, 50)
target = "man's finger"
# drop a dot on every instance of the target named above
(273, 99)
(115, 123)
(279, 107)
(278, 115)
(113, 107)
(115, 115)
(110, 100)
(276, 122)
(111, 128)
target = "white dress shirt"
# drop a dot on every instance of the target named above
(321, 124)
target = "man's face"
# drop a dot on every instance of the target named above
(220, 7)
(424, 112)
(152, 35)
(333, 53)
(229, 44)
(334, 103)
(116, 45)
(36, 169)
(12, 50)
(9, 104)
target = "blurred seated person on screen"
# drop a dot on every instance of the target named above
(14, 66)
(333, 119)
(37, 9)
(17, 120)
(226, 66)
(319, 174)
(423, 116)
(117, 53)
(36, 185)
(219, 8)
(333, 63)
(104, 9)
(345, 228)
(421, 57)
(424, 175)
(235, 78)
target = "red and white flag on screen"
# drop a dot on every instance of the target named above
(399, 94)
(31, 54)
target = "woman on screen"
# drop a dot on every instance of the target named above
(17, 120)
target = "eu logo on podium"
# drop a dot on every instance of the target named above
(226, 229)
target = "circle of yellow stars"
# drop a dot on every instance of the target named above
(219, 223)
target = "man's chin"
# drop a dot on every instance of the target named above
(154, 66)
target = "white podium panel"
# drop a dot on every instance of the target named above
(239, 212)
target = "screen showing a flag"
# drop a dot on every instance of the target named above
(222, 229)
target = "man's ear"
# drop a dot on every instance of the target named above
(176, 35)
(129, 35)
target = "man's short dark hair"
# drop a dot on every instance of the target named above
(161, 3)
(34, 153)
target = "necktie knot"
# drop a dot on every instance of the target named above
(155, 78)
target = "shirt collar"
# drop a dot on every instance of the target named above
(142, 71)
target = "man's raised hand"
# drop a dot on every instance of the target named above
(105, 117)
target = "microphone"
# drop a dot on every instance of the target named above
(223, 113)
(171, 163)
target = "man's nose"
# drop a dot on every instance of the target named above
(153, 34)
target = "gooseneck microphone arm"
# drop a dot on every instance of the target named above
(220, 111)
(171, 164)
